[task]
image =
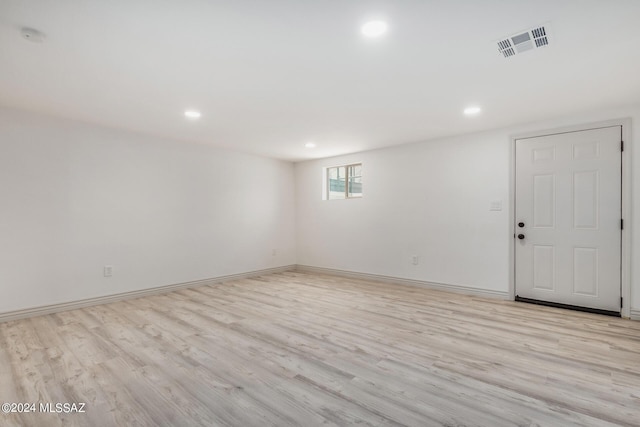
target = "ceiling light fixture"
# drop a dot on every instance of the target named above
(310, 145)
(374, 28)
(192, 114)
(472, 111)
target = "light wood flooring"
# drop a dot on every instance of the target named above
(306, 350)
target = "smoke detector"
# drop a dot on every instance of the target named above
(521, 42)
(32, 35)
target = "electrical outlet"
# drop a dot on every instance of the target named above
(415, 260)
(108, 270)
(274, 252)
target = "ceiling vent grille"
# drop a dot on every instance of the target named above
(532, 39)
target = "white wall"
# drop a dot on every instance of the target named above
(432, 199)
(75, 197)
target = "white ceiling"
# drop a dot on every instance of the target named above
(270, 76)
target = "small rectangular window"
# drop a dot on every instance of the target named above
(344, 182)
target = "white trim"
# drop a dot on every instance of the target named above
(626, 200)
(73, 305)
(487, 293)
(512, 220)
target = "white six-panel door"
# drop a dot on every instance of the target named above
(568, 213)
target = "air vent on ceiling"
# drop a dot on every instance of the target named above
(522, 42)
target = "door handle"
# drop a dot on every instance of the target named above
(520, 236)
(521, 224)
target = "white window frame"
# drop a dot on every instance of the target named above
(327, 184)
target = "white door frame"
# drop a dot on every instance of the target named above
(626, 201)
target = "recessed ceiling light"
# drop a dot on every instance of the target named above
(472, 111)
(309, 145)
(374, 28)
(192, 114)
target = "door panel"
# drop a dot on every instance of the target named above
(585, 271)
(544, 269)
(544, 198)
(585, 199)
(568, 192)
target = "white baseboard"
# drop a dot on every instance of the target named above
(487, 293)
(73, 305)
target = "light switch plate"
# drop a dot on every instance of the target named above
(496, 205)
(108, 270)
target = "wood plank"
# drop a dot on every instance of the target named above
(307, 349)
